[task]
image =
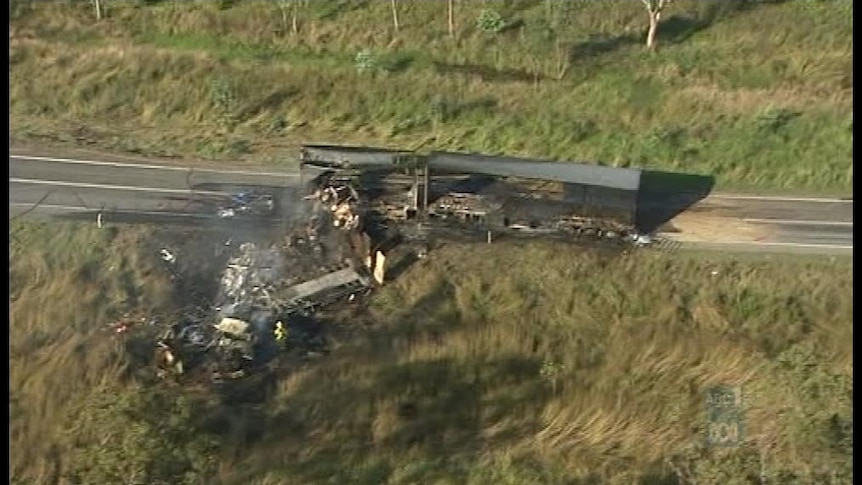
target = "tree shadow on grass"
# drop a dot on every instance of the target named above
(333, 9)
(487, 73)
(675, 29)
(435, 408)
(398, 61)
(598, 46)
(272, 101)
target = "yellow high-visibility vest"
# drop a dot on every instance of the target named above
(280, 332)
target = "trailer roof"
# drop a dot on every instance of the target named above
(568, 172)
(350, 155)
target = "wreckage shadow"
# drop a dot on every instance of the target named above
(664, 195)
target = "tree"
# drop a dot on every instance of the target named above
(549, 12)
(97, 4)
(551, 371)
(283, 7)
(293, 7)
(654, 8)
(452, 18)
(394, 5)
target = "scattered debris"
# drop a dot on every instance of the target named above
(168, 256)
(247, 204)
(360, 205)
(266, 291)
(641, 239)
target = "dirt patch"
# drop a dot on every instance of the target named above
(694, 227)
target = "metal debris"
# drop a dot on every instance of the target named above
(641, 239)
(337, 245)
(250, 203)
(168, 256)
(264, 290)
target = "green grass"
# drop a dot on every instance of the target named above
(760, 96)
(449, 383)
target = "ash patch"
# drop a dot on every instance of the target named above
(248, 292)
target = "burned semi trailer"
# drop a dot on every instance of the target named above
(441, 192)
(391, 187)
(535, 196)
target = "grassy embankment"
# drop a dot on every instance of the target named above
(565, 367)
(758, 94)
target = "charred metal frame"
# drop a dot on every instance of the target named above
(595, 192)
(568, 199)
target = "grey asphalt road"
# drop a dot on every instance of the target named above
(46, 187)
(49, 186)
(797, 223)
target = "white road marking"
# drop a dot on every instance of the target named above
(792, 222)
(757, 243)
(85, 209)
(297, 175)
(131, 188)
(778, 198)
(667, 236)
(150, 166)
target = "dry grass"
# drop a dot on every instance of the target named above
(447, 385)
(66, 284)
(759, 96)
(455, 367)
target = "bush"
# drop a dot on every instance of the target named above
(490, 21)
(138, 436)
(365, 61)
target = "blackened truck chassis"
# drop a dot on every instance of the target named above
(472, 196)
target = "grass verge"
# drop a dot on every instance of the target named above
(757, 93)
(533, 363)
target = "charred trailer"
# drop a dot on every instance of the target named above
(311, 295)
(546, 196)
(393, 182)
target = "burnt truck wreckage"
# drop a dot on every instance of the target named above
(443, 195)
(359, 204)
(266, 293)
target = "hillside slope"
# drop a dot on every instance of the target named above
(566, 367)
(757, 93)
